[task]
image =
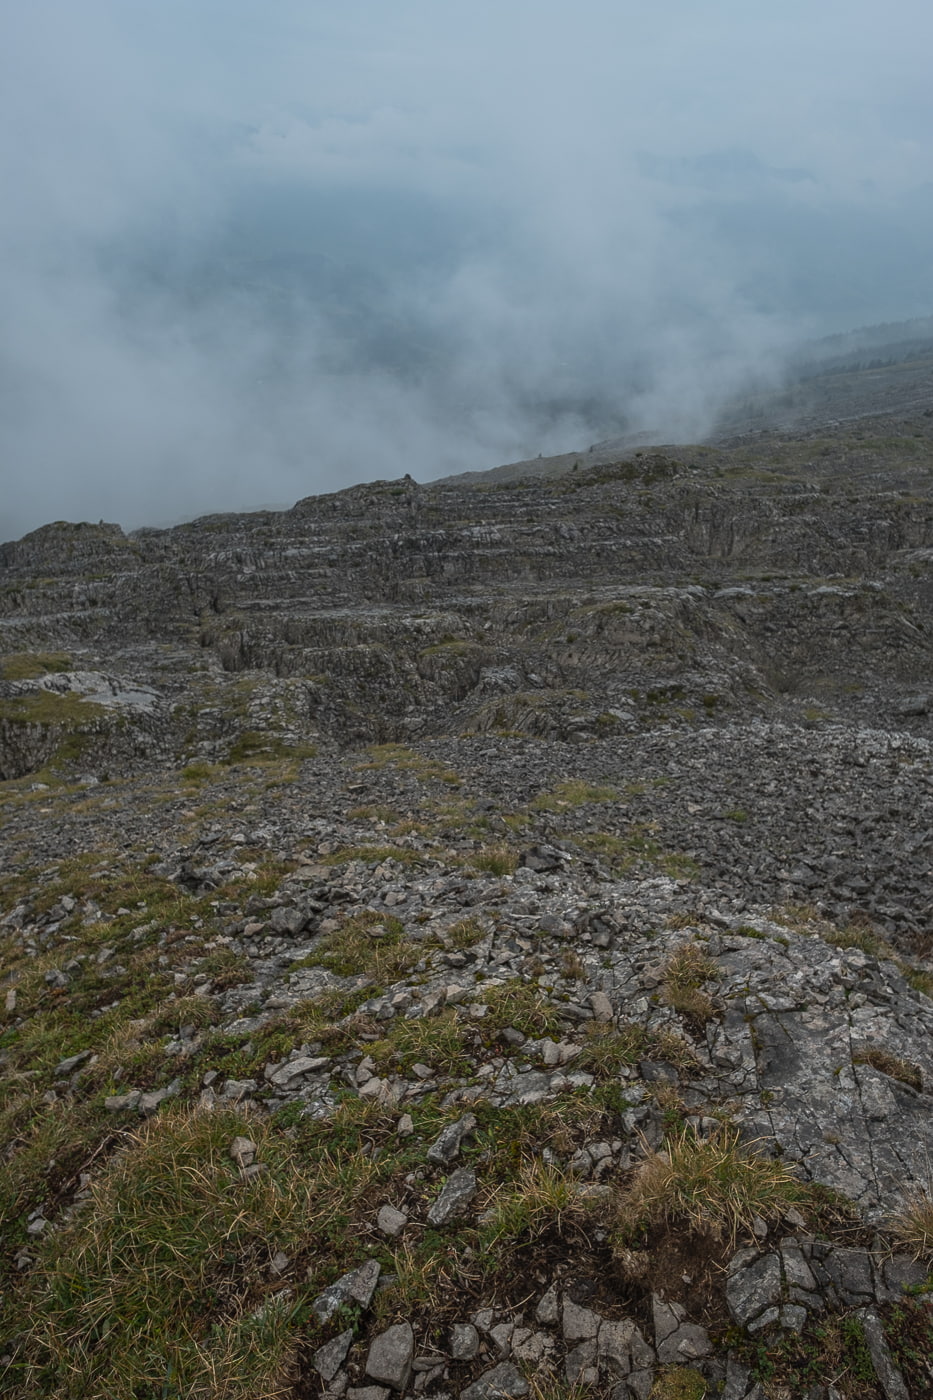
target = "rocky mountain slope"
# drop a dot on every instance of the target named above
(473, 939)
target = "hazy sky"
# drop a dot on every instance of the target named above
(255, 249)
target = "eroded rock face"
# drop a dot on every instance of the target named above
(730, 621)
(641, 578)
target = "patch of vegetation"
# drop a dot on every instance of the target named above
(574, 792)
(465, 933)
(606, 1050)
(369, 943)
(440, 1042)
(375, 812)
(679, 1383)
(520, 1005)
(540, 1195)
(29, 665)
(908, 1326)
(255, 747)
(913, 1225)
(831, 1351)
(48, 707)
(404, 759)
(162, 1284)
(892, 1065)
(684, 975)
(200, 772)
(637, 850)
(714, 1185)
(495, 860)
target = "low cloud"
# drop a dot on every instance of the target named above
(254, 255)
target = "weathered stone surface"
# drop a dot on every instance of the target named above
(889, 1377)
(447, 1147)
(243, 1151)
(753, 1285)
(548, 1309)
(464, 1341)
(622, 1348)
(329, 1358)
(677, 1340)
(455, 1197)
(502, 1382)
(578, 1323)
(358, 1287)
(390, 1221)
(580, 1364)
(390, 1356)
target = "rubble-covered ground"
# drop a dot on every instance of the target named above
(475, 969)
(373, 1011)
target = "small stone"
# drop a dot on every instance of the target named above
(602, 1006)
(329, 1358)
(502, 1382)
(456, 1194)
(532, 1348)
(243, 1151)
(361, 1283)
(754, 1287)
(501, 1337)
(579, 1324)
(622, 1348)
(150, 1103)
(796, 1269)
(763, 1320)
(447, 1147)
(66, 1066)
(391, 1354)
(793, 1317)
(405, 1126)
(368, 1392)
(738, 1379)
(851, 1272)
(464, 1341)
(10, 1001)
(889, 1377)
(667, 1317)
(358, 1286)
(390, 1221)
(121, 1103)
(580, 1364)
(236, 1090)
(286, 1074)
(548, 1309)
